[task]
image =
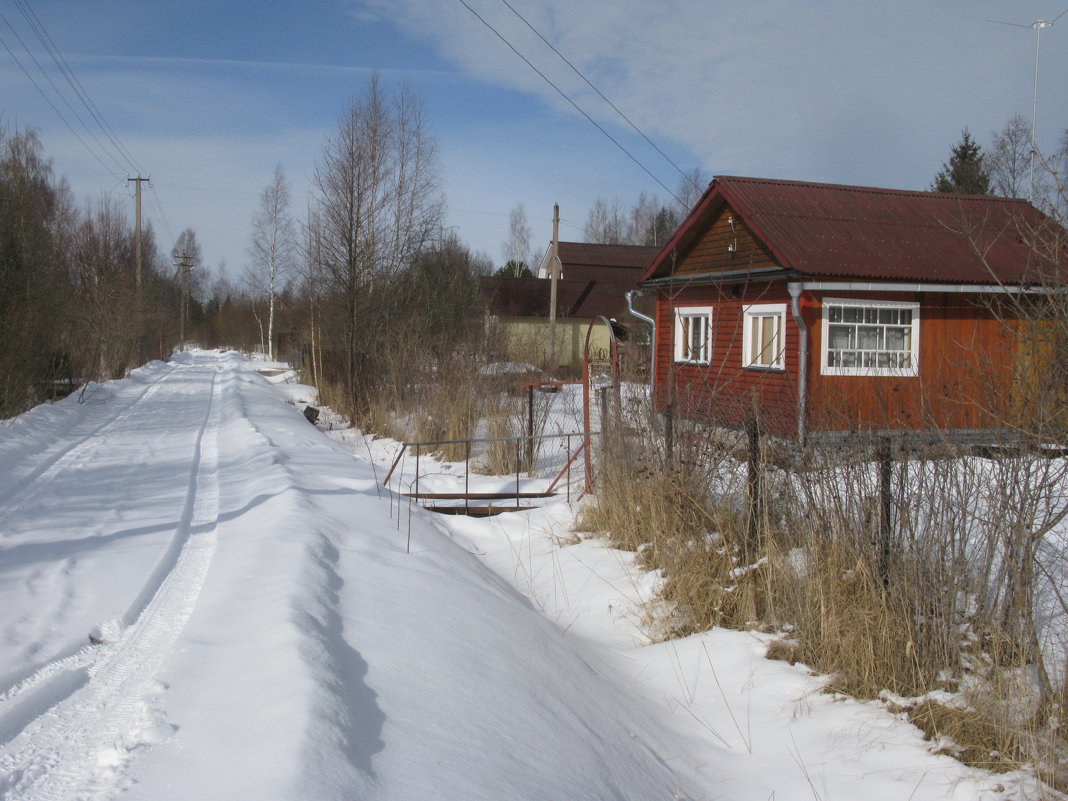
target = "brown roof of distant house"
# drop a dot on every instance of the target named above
(826, 230)
(623, 256)
(529, 297)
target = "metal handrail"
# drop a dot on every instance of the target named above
(501, 439)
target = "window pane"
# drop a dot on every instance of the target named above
(841, 337)
(698, 337)
(895, 338)
(852, 314)
(870, 337)
(835, 314)
(767, 340)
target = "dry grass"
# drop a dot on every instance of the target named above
(919, 610)
(970, 736)
(850, 625)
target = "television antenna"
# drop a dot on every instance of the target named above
(1037, 27)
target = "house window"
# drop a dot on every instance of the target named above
(693, 327)
(868, 337)
(763, 336)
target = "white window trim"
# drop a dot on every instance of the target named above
(914, 359)
(694, 312)
(757, 312)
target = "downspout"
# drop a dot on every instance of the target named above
(629, 295)
(795, 288)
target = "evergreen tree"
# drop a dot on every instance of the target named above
(964, 173)
(514, 269)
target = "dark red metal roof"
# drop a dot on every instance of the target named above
(853, 232)
(613, 256)
(530, 297)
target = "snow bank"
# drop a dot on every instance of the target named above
(276, 639)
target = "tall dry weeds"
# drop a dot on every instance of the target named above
(942, 602)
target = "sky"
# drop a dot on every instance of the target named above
(207, 96)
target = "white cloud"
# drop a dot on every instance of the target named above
(825, 90)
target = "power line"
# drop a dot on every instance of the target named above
(103, 147)
(566, 97)
(67, 71)
(163, 217)
(601, 94)
(125, 158)
(47, 99)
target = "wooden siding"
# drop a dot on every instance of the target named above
(965, 370)
(965, 378)
(721, 249)
(724, 390)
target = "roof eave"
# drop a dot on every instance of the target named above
(728, 277)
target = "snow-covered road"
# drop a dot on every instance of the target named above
(261, 631)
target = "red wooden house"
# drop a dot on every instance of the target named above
(824, 308)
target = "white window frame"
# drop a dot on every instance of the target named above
(913, 368)
(686, 316)
(752, 359)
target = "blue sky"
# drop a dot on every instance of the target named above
(209, 96)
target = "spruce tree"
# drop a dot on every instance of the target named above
(965, 172)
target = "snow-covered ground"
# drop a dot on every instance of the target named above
(204, 596)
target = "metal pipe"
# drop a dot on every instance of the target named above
(795, 288)
(645, 318)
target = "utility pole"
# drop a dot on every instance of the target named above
(183, 265)
(137, 263)
(137, 232)
(554, 272)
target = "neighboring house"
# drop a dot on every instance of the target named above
(823, 308)
(592, 284)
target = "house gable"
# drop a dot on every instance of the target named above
(727, 244)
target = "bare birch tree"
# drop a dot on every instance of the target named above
(1009, 157)
(273, 244)
(377, 204)
(516, 248)
(606, 223)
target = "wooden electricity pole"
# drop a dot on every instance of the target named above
(554, 273)
(138, 306)
(183, 264)
(137, 234)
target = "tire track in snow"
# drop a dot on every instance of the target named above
(33, 484)
(79, 746)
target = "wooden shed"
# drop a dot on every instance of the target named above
(826, 308)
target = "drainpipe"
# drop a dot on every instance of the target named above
(795, 288)
(629, 295)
